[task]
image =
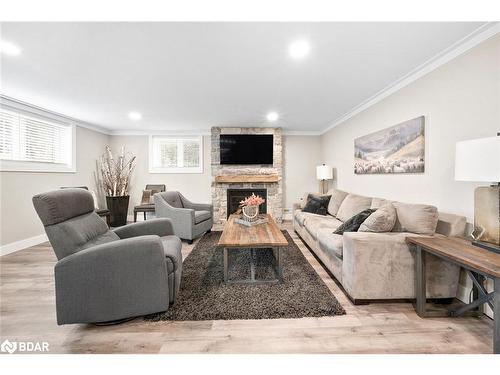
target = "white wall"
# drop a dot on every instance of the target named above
(460, 100)
(194, 186)
(301, 156)
(19, 220)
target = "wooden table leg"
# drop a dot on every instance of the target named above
(420, 285)
(496, 316)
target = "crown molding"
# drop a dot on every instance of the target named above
(19, 104)
(315, 133)
(148, 132)
(463, 45)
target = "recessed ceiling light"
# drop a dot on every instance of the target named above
(272, 116)
(134, 115)
(299, 49)
(9, 48)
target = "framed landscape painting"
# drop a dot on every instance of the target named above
(398, 149)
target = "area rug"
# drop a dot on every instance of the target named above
(203, 294)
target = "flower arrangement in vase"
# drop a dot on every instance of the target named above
(250, 207)
(115, 176)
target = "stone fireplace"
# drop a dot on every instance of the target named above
(247, 178)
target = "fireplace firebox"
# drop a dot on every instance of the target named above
(234, 196)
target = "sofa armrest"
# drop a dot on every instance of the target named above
(159, 227)
(377, 265)
(112, 281)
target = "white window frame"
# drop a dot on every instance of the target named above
(33, 166)
(178, 170)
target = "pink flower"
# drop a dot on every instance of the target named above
(253, 200)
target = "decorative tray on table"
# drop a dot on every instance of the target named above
(260, 219)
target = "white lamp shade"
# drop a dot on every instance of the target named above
(478, 160)
(324, 172)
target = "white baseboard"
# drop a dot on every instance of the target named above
(23, 244)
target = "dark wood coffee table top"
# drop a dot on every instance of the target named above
(261, 235)
(462, 252)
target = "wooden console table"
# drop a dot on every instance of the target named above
(475, 260)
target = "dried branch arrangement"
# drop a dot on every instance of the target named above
(116, 173)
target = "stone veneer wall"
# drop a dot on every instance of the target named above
(274, 190)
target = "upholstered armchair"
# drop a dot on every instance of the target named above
(190, 220)
(102, 275)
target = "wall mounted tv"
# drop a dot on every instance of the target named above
(246, 149)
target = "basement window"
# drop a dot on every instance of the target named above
(30, 142)
(175, 154)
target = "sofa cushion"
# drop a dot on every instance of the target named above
(329, 242)
(316, 222)
(336, 200)
(317, 204)
(353, 204)
(415, 218)
(201, 215)
(353, 224)
(300, 216)
(379, 202)
(451, 225)
(382, 220)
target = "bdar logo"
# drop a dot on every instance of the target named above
(8, 346)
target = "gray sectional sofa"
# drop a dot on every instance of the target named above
(379, 266)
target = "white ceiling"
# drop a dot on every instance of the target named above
(191, 76)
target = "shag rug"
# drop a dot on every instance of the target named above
(203, 294)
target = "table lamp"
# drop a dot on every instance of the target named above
(479, 160)
(324, 173)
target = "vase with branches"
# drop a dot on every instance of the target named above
(115, 176)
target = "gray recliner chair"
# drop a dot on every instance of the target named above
(190, 220)
(107, 275)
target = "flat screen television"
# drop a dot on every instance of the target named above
(246, 149)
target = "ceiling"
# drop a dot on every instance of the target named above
(191, 76)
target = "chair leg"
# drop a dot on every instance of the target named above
(144, 215)
(135, 216)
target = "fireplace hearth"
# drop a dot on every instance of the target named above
(234, 196)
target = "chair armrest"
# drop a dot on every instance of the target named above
(164, 210)
(112, 281)
(159, 227)
(196, 206)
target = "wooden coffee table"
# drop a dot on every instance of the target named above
(238, 236)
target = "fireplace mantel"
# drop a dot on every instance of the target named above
(247, 178)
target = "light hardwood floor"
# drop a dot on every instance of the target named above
(28, 313)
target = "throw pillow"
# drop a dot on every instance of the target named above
(353, 224)
(303, 200)
(382, 220)
(317, 204)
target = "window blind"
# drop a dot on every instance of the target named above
(32, 139)
(175, 155)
